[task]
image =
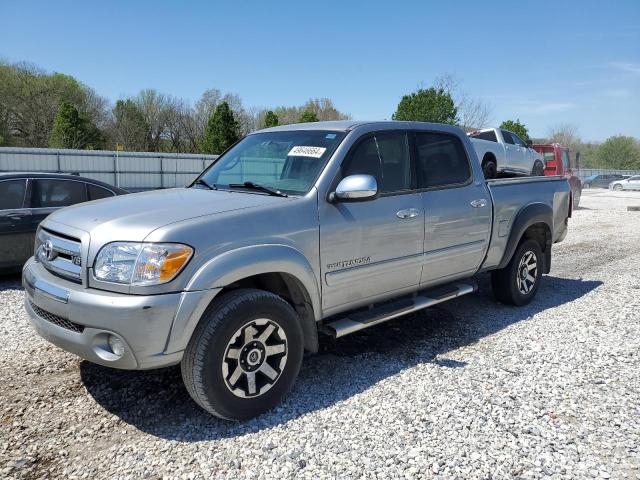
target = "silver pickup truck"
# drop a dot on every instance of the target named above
(324, 228)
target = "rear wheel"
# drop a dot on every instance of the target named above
(244, 355)
(538, 169)
(518, 282)
(489, 168)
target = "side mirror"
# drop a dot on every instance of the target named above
(355, 188)
(529, 143)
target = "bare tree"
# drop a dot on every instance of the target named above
(566, 134)
(473, 112)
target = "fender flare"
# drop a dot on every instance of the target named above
(527, 216)
(235, 265)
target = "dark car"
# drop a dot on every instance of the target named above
(27, 198)
(601, 181)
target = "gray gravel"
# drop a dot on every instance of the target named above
(472, 389)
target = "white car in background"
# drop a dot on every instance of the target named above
(502, 151)
(631, 183)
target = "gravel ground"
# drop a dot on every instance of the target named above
(471, 389)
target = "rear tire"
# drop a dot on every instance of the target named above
(489, 169)
(245, 354)
(538, 169)
(518, 282)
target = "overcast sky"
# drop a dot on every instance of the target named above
(569, 61)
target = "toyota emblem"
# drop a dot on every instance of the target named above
(47, 250)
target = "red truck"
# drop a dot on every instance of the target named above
(557, 161)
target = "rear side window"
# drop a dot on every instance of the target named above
(96, 192)
(565, 159)
(489, 135)
(442, 160)
(384, 156)
(57, 193)
(507, 137)
(12, 194)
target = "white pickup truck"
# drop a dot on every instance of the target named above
(502, 151)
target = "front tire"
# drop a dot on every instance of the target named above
(518, 282)
(617, 188)
(245, 354)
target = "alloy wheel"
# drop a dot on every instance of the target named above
(527, 272)
(254, 358)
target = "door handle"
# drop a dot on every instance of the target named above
(407, 213)
(479, 203)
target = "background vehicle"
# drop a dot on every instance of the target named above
(601, 181)
(557, 161)
(327, 227)
(27, 198)
(631, 183)
(501, 151)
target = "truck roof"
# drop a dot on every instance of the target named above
(348, 125)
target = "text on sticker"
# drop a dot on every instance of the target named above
(301, 151)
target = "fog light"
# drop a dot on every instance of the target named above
(116, 345)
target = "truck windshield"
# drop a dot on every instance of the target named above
(286, 161)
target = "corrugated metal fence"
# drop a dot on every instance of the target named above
(132, 171)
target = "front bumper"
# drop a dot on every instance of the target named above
(80, 320)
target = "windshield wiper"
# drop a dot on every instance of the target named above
(259, 188)
(202, 181)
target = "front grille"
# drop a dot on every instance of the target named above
(60, 254)
(56, 320)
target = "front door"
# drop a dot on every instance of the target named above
(513, 153)
(374, 247)
(457, 209)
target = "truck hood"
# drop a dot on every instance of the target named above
(133, 217)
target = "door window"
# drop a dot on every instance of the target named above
(518, 141)
(57, 193)
(507, 137)
(384, 156)
(565, 159)
(12, 194)
(96, 192)
(489, 135)
(442, 160)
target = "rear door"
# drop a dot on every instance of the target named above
(371, 248)
(457, 209)
(16, 236)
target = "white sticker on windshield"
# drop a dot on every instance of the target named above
(301, 151)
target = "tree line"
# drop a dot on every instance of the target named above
(39, 109)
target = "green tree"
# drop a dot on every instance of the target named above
(308, 116)
(221, 132)
(129, 126)
(270, 119)
(427, 105)
(516, 127)
(620, 152)
(73, 130)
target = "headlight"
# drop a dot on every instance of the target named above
(140, 263)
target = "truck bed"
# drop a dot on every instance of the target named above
(510, 195)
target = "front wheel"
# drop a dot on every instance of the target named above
(617, 188)
(518, 282)
(245, 354)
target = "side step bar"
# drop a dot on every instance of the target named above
(359, 320)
